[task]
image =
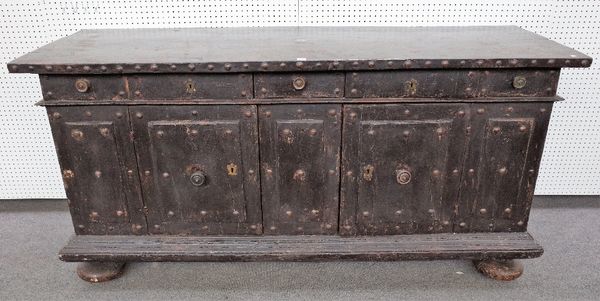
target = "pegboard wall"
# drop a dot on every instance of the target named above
(28, 163)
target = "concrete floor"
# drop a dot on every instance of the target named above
(32, 232)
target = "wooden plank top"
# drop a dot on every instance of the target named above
(275, 49)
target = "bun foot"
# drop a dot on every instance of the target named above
(503, 270)
(99, 271)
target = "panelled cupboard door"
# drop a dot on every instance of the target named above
(99, 169)
(501, 166)
(300, 151)
(199, 168)
(401, 167)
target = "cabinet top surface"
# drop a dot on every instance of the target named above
(274, 49)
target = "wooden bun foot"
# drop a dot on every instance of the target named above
(504, 270)
(99, 271)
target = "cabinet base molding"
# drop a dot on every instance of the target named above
(475, 246)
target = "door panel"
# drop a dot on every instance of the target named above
(99, 169)
(199, 168)
(401, 167)
(300, 147)
(501, 166)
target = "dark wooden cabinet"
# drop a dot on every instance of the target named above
(348, 143)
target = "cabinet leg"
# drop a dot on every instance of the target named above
(99, 271)
(497, 269)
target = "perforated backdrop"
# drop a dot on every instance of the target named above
(28, 164)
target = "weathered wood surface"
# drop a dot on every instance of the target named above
(258, 101)
(300, 247)
(199, 168)
(222, 50)
(99, 169)
(437, 84)
(300, 154)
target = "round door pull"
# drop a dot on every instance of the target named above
(403, 176)
(82, 85)
(519, 82)
(299, 83)
(198, 178)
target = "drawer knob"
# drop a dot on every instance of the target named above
(519, 82)
(198, 178)
(299, 83)
(403, 176)
(82, 85)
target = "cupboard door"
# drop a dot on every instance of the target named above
(299, 148)
(401, 167)
(99, 169)
(501, 166)
(199, 168)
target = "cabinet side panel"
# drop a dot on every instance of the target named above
(501, 166)
(99, 169)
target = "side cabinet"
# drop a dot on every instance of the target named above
(199, 168)
(99, 169)
(501, 166)
(300, 152)
(401, 167)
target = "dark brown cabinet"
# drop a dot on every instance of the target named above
(300, 143)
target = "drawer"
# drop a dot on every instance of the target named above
(301, 85)
(452, 83)
(147, 86)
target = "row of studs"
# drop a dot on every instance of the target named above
(300, 65)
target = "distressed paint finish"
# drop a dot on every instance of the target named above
(199, 168)
(438, 84)
(99, 169)
(401, 167)
(501, 166)
(300, 151)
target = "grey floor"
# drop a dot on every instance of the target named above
(31, 233)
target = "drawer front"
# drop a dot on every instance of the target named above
(452, 83)
(300, 85)
(299, 149)
(147, 87)
(401, 167)
(199, 168)
(501, 166)
(99, 169)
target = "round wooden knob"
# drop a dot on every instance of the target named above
(82, 85)
(299, 83)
